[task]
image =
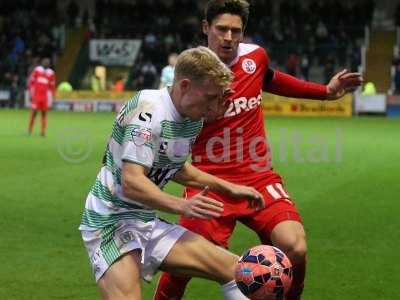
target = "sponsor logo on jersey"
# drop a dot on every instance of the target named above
(145, 117)
(181, 148)
(249, 66)
(141, 135)
(242, 104)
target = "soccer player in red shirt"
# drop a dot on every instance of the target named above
(234, 147)
(42, 86)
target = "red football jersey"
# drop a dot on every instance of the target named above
(235, 147)
(42, 84)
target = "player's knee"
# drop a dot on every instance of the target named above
(296, 251)
(123, 290)
(226, 271)
(126, 292)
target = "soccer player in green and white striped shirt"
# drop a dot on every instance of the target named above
(149, 145)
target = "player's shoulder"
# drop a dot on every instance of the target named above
(141, 109)
(148, 102)
(39, 69)
(150, 98)
(49, 72)
(245, 49)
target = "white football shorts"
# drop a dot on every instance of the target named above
(155, 239)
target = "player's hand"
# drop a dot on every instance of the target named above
(342, 83)
(255, 198)
(202, 207)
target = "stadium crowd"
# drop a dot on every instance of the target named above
(27, 33)
(300, 36)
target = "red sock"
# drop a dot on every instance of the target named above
(44, 123)
(32, 121)
(299, 273)
(171, 287)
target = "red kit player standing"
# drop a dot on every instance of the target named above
(41, 84)
(234, 147)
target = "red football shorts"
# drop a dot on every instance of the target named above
(278, 208)
(41, 105)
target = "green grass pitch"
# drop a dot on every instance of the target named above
(342, 173)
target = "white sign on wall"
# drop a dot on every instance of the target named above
(114, 52)
(370, 104)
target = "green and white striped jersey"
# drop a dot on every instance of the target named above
(148, 131)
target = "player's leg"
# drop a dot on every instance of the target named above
(195, 256)
(32, 120)
(122, 280)
(290, 237)
(43, 123)
(280, 224)
(218, 231)
(115, 253)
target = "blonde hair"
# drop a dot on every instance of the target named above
(199, 64)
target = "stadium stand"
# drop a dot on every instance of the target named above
(27, 33)
(309, 39)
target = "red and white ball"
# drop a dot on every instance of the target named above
(264, 273)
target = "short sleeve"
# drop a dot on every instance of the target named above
(139, 139)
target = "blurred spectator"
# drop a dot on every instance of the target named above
(95, 83)
(292, 64)
(304, 66)
(396, 75)
(72, 12)
(64, 86)
(369, 89)
(167, 73)
(119, 84)
(148, 75)
(329, 68)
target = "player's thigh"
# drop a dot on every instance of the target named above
(195, 256)
(216, 230)
(279, 208)
(122, 279)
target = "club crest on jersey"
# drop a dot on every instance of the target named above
(249, 66)
(141, 135)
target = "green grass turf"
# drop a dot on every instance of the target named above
(350, 206)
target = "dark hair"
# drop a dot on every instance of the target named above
(215, 8)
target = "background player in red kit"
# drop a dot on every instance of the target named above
(245, 159)
(41, 84)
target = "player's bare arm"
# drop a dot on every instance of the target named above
(136, 185)
(194, 177)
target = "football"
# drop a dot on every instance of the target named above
(264, 273)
